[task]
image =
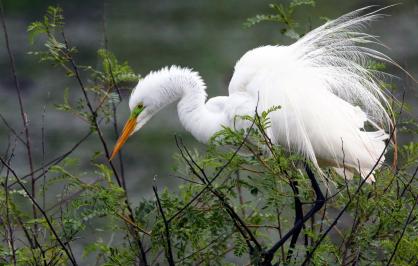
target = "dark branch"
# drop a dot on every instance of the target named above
(403, 231)
(169, 252)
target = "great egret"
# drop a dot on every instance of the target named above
(333, 106)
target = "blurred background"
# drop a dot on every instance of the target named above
(208, 36)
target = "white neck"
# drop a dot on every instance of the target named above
(188, 87)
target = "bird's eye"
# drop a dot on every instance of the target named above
(137, 110)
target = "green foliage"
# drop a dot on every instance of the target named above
(57, 51)
(53, 21)
(105, 84)
(241, 174)
(113, 71)
(284, 15)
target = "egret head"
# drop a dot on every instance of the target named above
(150, 95)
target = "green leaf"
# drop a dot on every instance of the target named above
(296, 3)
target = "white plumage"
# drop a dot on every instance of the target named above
(327, 95)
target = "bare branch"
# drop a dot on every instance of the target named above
(169, 252)
(22, 111)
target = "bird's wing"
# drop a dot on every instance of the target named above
(326, 90)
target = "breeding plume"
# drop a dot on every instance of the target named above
(333, 107)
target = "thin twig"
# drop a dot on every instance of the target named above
(403, 231)
(46, 167)
(93, 112)
(43, 155)
(409, 182)
(188, 180)
(7, 223)
(169, 252)
(214, 177)
(22, 111)
(10, 128)
(115, 86)
(235, 217)
(221, 237)
(44, 214)
(96, 126)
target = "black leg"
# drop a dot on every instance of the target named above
(320, 200)
(298, 217)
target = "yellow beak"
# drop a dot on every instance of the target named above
(126, 132)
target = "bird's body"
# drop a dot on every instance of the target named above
(322, 84)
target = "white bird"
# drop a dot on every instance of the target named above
(333, 107)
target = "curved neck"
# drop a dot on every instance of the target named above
(188, 87)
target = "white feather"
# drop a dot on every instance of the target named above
(322, 83)
(326, 93)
